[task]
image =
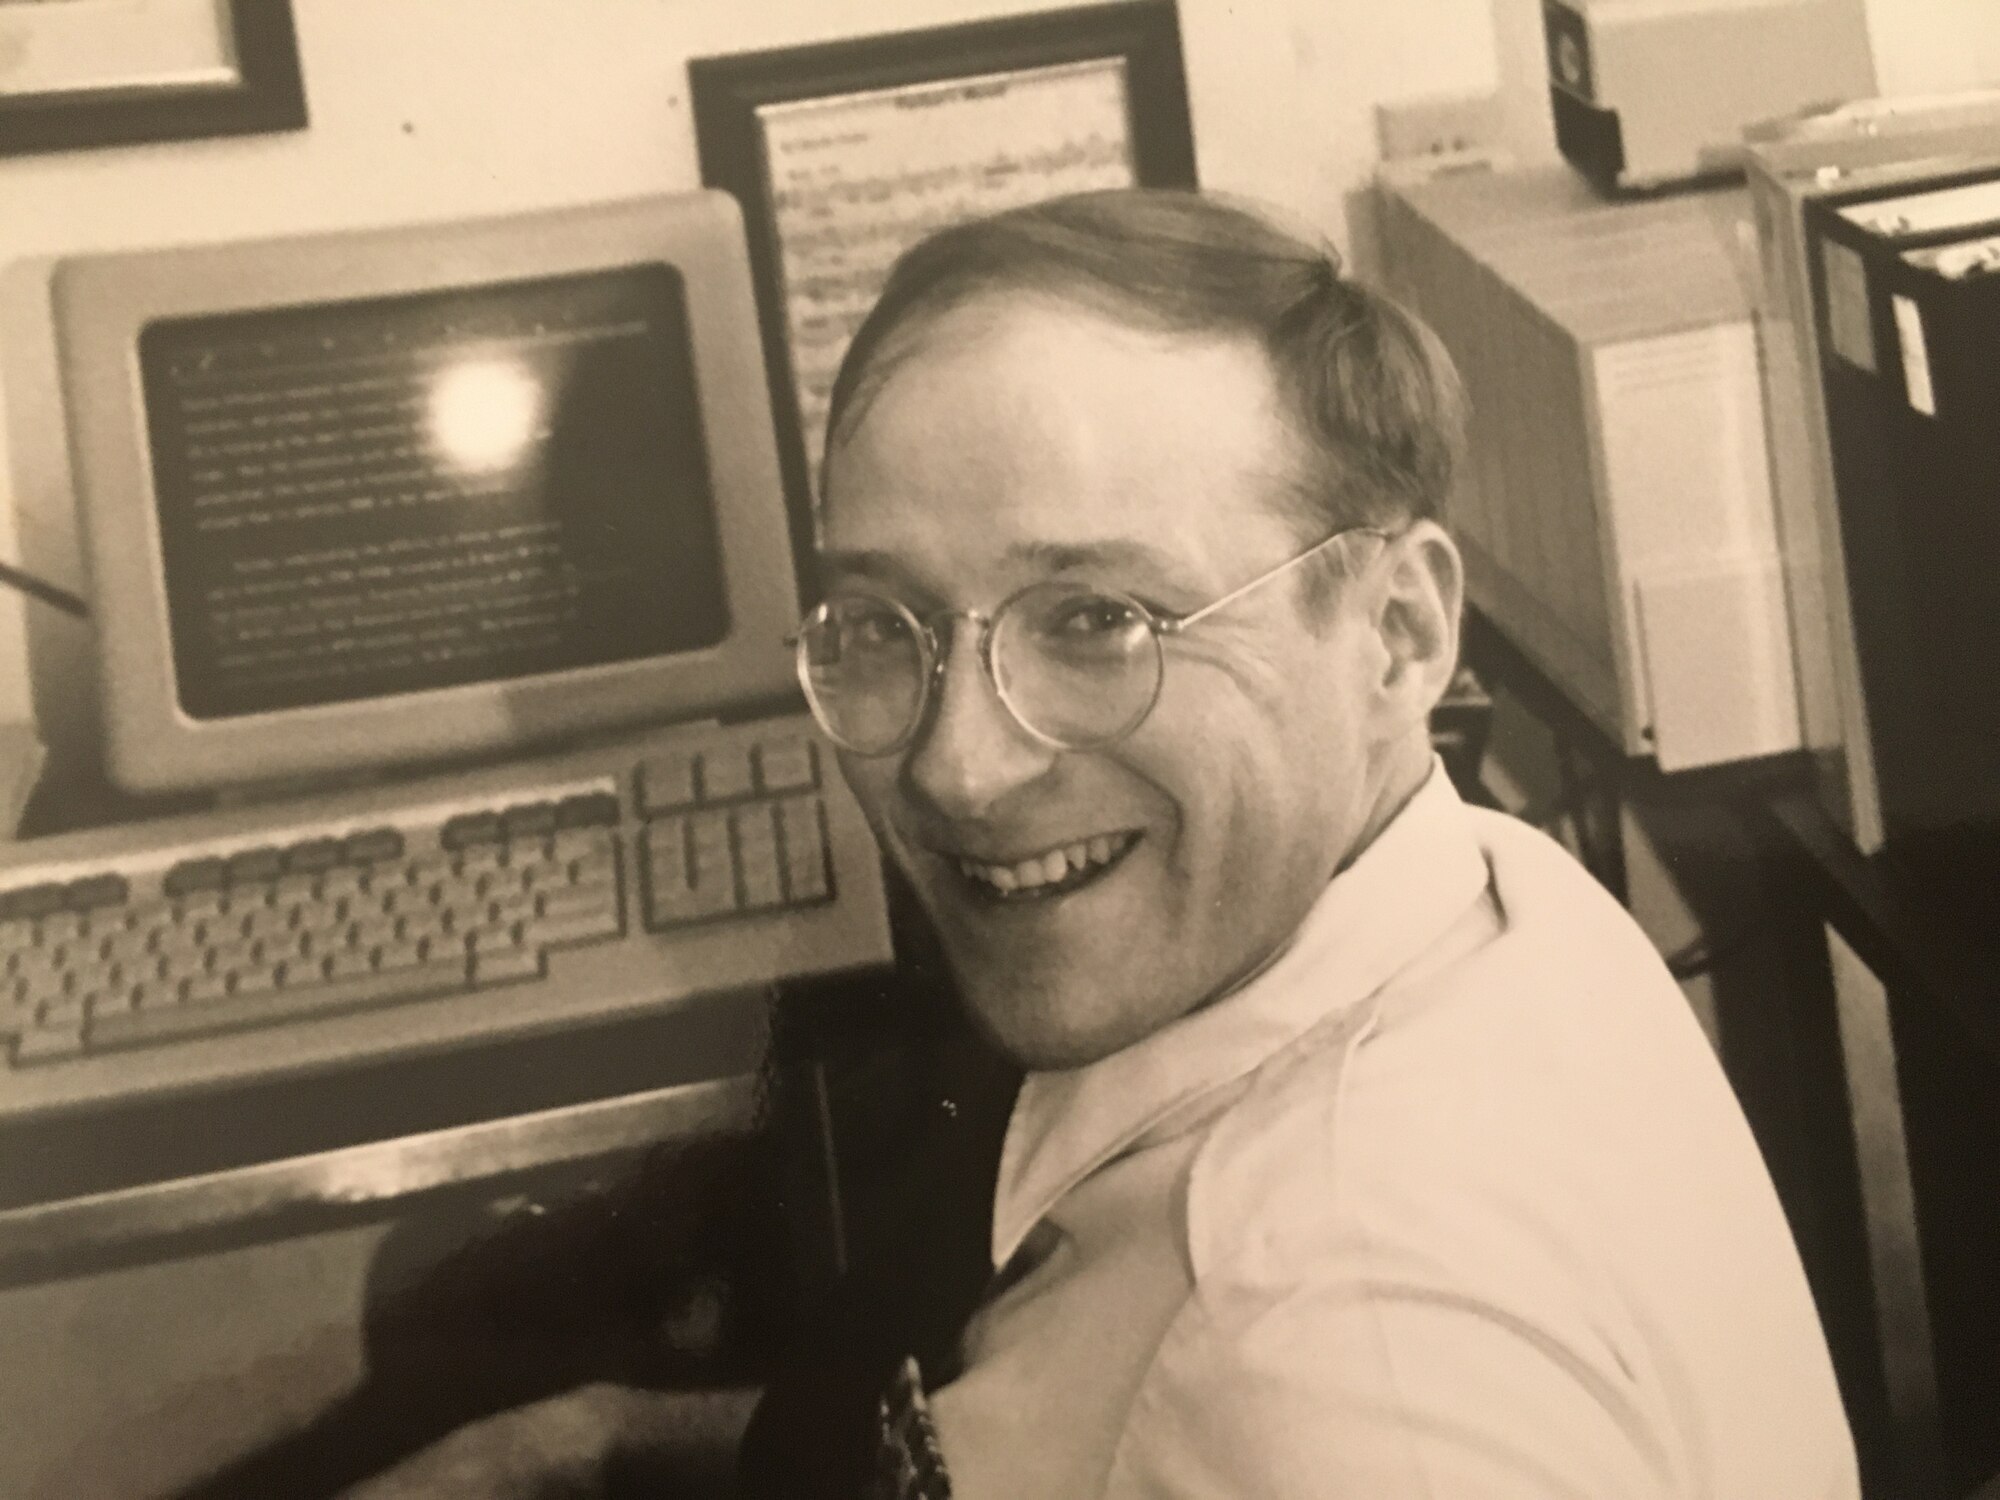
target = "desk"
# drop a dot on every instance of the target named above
(1843, 986)
(239, 1220)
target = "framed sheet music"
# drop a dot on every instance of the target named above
(844, 154)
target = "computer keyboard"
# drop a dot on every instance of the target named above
(244, 944)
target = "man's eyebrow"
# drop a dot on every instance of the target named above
(863, 563)
(873, 567)
(1112, 553)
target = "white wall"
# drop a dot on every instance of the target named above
(436, 108)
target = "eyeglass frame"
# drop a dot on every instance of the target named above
(1161, 625)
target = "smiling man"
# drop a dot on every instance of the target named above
(1365, 1148)
(1115, 800)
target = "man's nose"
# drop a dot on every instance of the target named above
(971, 751)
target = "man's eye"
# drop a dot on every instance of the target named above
(1092, 617)
(877, 631)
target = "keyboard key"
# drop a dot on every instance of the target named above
(199, 906)
(372, 846)
(289, 892)
(62, 927)
(663, 846)
(763, 886)
(344, 881)
(428, 873)
(757, 856)
(587, 810)
(593, 869)
(588, 926)
(191, 875)
(478, 860)
(581, 843)
(529, 820)
(146, 1026)
(666, 782)
(33, 900)
(201, 989)
(148, 917)
(787, 766)
(254, 866)
(505, 966)
(726, 775)
(493, 939)
(94, 892)
(345, 963)
(61, 1013)
(804, 839)
(110, 1002)
(16, 1012)
(42, 1044)
(403, 953)
(311, 856)
(572, 900)
(469, 830)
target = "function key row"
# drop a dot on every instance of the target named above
(266, 863)
(529, 820)
(48, 898)
(677, 779)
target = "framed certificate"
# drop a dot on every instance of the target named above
(79, 73)
(845, 154)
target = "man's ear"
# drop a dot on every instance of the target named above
(1416, 601)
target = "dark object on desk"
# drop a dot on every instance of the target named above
(671, 1276)
(685, 1273)
(921, 1262)
(1906, 289)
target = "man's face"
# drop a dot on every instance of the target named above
(1023, 439)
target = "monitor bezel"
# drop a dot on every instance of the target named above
(101, 303)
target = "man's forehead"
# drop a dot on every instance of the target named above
(1034, 383)
(1031, 436)
(1032, 555)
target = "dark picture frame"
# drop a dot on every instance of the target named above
(260, 89)
(740, 100)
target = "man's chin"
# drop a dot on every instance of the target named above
(1049, 1028)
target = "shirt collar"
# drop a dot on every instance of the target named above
(1374, 919)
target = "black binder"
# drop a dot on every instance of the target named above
(1906, 290)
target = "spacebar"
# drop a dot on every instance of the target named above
(142, 1027)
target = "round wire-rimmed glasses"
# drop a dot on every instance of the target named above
(1078, 666)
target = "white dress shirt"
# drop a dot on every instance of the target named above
(1451, 1200)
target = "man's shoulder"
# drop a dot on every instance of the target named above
(1504, 1069)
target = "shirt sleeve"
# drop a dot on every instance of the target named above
(1383, 1380)
(1411, 1325)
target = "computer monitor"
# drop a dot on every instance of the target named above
(375, 497)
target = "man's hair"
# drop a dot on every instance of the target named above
(1369, 389)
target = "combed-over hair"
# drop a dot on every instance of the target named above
(1370, 390)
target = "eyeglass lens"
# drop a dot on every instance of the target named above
(1076, 666)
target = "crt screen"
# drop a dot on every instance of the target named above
(369, 498)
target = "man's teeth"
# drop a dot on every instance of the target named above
(1047, 869)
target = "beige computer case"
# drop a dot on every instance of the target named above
(1791, 162)
(1617, 515)
(1647, 93)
